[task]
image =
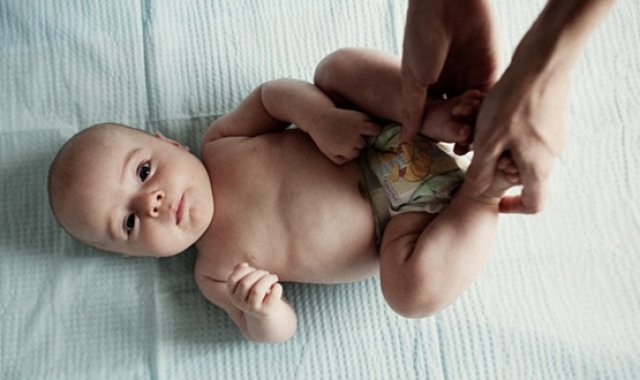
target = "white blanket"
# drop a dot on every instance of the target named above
(559, 297)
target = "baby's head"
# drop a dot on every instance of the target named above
(123, 190)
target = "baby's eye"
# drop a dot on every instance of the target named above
(130, 223)
(145, 169)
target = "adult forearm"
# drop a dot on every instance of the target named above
(556, 39)
(425, 6)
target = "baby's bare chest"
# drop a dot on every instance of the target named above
(293, 213)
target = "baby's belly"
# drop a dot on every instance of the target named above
(330, 231)
(327, 220)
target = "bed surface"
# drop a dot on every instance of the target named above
(559, 298)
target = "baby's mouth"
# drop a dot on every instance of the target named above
(177, 209)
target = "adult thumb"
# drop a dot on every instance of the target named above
(480, 173)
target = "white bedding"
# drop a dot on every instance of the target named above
(560, 297)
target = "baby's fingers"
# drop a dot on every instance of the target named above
(347, 154)
(340, 159)
(274, 296)
(244, 286)
(261, 289)
(370, 129)
(239, 272)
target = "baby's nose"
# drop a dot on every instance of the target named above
(152, 202)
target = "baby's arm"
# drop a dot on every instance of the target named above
(274, 105)
(253, 299)
(249, 119)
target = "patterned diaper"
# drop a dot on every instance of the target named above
(421, 175)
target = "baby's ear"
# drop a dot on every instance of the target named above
(171, 141)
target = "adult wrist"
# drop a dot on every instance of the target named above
(467, 193)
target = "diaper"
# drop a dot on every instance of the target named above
(420, 175)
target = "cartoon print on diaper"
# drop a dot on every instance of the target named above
(416, 175)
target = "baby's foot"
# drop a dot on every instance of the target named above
(505, 177)
(452, 120)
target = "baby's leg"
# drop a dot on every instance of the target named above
(369, 80)
(427, 260)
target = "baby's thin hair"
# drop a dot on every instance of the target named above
(66, 152)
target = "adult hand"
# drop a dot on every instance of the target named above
(522, 116)
(449, 47)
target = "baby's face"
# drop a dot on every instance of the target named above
(138, 194)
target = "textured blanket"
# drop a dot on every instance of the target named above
(559, 298)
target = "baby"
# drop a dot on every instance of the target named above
(327, 202)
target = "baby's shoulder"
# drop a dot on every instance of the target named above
(222, 144)
(218, 251)
(210, 266)
(222, 152)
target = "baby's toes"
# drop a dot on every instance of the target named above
(508, 169)
(475, 94)
(440, 124)
(513, 178)
(469, 103)
(466, 109)
(506, 164)
(511, 169)
(504, 161)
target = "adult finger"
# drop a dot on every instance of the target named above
(524, 203)
(414, 96)
(482, 169)
(534, 167)
(512, 204)
(529, 201)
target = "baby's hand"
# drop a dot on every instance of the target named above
(255, 292)
(340, 134)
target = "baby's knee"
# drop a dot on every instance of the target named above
(333, 67)
(411, 302)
